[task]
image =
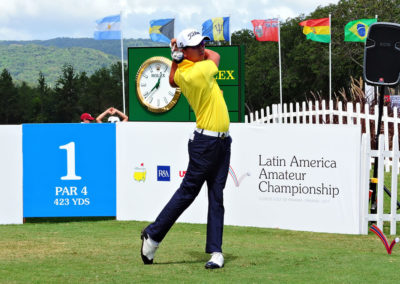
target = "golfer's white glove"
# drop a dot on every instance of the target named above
(177, 56)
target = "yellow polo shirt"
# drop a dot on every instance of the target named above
(198, 84)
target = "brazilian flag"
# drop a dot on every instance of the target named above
(357, 30)
(162, 30)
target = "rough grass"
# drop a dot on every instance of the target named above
(108, 252)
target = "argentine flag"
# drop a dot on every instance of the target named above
(108, 28)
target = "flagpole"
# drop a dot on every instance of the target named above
(330, 59)
(280, 62)
(122, 66)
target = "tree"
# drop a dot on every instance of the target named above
(8, 99)
(45, 99)
(104, 89)
(305, 63)
(67, 93)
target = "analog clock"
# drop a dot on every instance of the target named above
(152, 85)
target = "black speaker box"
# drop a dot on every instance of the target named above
(382, 54)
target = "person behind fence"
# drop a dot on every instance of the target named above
(209, 146)
(115, 115)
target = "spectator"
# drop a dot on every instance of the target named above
(115, 115)
(86, 118)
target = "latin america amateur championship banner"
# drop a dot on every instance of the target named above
(297, 177)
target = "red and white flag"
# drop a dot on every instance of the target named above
(266, 30)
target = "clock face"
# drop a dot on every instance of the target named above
(152, 85)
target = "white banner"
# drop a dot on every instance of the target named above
(144, 149)
(298, 177)
(11, 174)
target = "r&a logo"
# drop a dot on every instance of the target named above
(163, 173)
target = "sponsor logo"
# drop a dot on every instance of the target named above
(158, 75)
(225, 75)
(236, 181)
(139, 174)
(163, 173)
(192, 34)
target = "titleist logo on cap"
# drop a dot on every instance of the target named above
(192, 34)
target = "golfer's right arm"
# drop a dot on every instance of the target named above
(174, 66)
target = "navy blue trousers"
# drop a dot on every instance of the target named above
(209, 159)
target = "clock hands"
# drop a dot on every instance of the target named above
(157, 85)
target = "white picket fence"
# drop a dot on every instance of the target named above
(388, 159)
(368, 155)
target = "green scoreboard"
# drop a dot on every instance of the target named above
(230, 78)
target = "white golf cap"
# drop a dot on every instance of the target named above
(190, 37)
(113, 119)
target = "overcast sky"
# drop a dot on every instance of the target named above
(47, 19)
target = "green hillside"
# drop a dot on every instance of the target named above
(24, 62)
(112, 47)
(25, 59)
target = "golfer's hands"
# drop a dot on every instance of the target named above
(173, 45)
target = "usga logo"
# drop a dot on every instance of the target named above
(163, 173)
(237, 181)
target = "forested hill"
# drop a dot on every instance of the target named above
(25, 59)
(112, 47)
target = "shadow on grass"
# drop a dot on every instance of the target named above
(198, 257)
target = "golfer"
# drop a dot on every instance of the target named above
(209, 146)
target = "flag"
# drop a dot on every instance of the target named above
(317, 29)
(217, 29)
(357, 30)
(162, 30)
(108, 28)
(266, 30)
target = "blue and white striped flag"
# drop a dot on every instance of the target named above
(108, 28)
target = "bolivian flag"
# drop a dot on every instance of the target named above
(317, 29)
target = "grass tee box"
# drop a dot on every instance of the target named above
(109, 252)
(230, 78)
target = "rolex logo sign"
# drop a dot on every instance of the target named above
(225, 75)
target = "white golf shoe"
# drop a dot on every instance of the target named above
(216, 261)
(149, 248)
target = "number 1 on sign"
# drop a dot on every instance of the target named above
(70, 147)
